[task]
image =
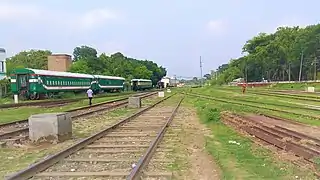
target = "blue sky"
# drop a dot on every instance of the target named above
(173, 33)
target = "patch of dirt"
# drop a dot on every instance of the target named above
(202, 165)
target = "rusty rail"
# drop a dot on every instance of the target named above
(275, 136)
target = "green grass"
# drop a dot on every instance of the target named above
(260, 100)
(244, 161)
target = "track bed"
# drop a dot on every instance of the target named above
(120, 151)
(277, 132)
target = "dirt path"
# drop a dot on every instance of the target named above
(201, 165)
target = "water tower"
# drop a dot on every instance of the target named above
(2, 63)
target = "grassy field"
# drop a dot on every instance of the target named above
(259, 101)
(245, 160)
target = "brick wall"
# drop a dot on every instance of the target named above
(59, 62)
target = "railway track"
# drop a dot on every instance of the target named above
(241, 103)
(20, 128)
(53, 103)
(283, 95)
(120, 151)
(299, 144)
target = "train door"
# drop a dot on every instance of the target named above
(135, 85)
(22, 84)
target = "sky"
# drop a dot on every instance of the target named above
(172, 33)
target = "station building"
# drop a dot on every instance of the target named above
(3, 69)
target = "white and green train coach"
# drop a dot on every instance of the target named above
(34, 83)
(141, 84)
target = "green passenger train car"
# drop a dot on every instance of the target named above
(141, 84)
(34, 83)
(108, 83)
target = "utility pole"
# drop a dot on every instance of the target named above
(315, 68)
(200, 72)
(289, 71)
(300, 66)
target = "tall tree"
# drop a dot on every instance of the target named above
(36, 59)
(277, 56)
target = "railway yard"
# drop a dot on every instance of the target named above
(190, 133)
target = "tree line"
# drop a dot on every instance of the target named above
(86, 60)
(289, 54)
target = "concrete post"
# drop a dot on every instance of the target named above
(134, 102)
(54, 127)
(16, 98)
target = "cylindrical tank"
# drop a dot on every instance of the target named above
(3, 69)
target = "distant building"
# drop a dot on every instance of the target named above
(59, 62)
(165, 81)
(173, 82)
(3, 69)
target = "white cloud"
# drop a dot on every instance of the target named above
(216, 27)
(42, 16)
(19, 12)
(96, 17)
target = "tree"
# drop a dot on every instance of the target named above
(84, 52)
(36, 59)
(207, 76)
(86, 61)
(276, 56)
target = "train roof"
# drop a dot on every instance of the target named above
(108, 77)
(147, 80)
(51, 73)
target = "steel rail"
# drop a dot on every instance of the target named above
(81, 108)
(63, 101)
(134, 175)
(51, 160)
(12, 133)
